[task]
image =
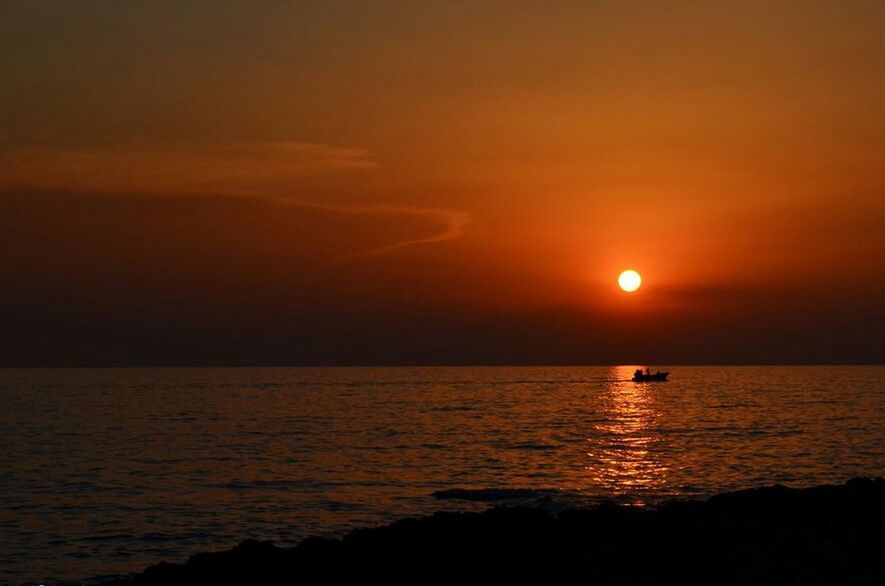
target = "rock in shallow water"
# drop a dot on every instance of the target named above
(772, 535)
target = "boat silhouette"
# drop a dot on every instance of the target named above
(647, 376)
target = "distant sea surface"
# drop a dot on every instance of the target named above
(106, 471)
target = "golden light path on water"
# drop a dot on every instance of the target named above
(623, 459)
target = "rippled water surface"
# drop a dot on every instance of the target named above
(106, 471)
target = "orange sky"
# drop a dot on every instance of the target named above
(361, 182)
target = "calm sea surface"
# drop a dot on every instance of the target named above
(106, 471)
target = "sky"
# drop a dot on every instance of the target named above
(218, 182)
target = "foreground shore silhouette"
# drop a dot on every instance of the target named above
(771, 535)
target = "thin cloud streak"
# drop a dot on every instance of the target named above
(239, 169)
(454, 222)
(228, 168)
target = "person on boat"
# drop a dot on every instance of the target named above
(638, 373)
(647, 372)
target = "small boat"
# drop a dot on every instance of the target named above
(644, 377)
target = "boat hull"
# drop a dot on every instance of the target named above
(649, 378)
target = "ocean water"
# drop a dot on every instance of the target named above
(106, 471)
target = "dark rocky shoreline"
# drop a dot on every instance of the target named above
(772, 535)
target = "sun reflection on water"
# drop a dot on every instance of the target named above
(625, 455)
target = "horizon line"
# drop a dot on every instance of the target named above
(439, 365)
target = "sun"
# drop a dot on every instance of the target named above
(629, 280)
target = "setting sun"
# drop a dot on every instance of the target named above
(629, 281)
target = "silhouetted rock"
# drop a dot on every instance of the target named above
(773, 535)
(491, 494)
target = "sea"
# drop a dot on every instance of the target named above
(106, 471)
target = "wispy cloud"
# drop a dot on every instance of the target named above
(226, 168)
(242, 169)
(453, 222)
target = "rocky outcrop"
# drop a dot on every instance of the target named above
(772, 535)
